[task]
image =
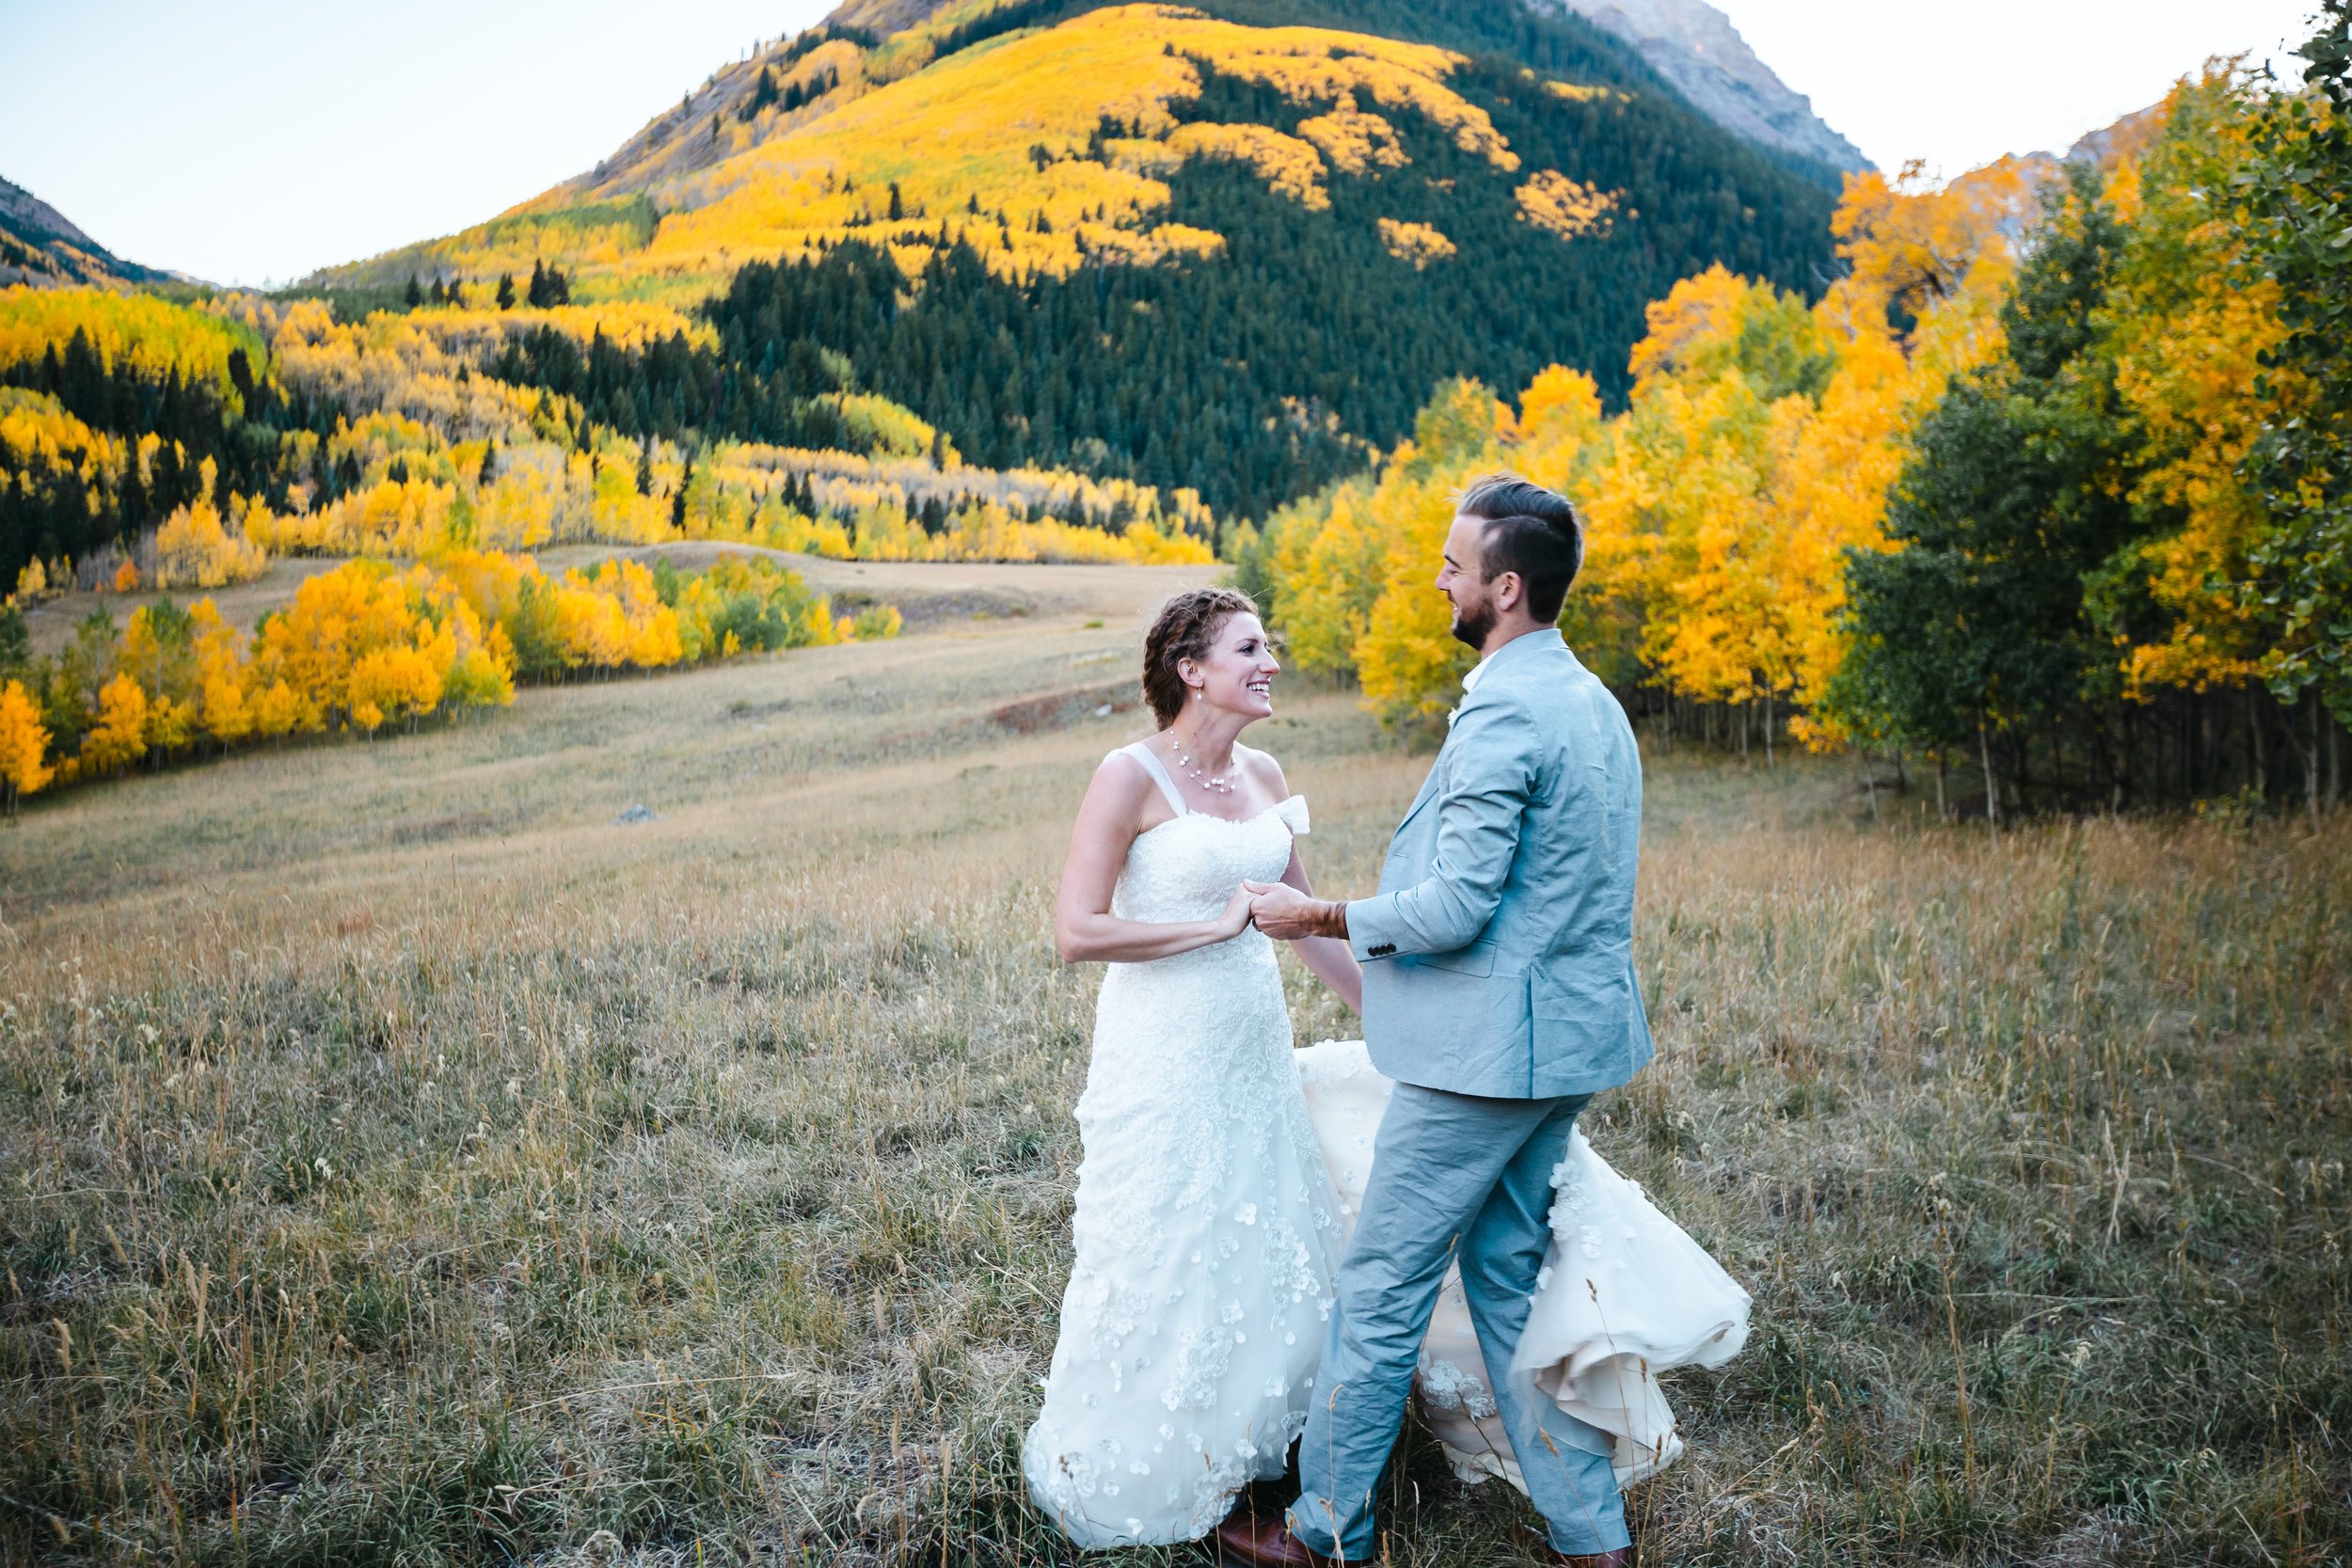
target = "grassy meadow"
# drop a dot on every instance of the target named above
(403, 1159)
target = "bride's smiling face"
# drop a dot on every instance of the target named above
(1237, 674)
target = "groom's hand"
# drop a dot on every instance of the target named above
(1286, 914)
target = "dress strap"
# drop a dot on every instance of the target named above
(1142, 754)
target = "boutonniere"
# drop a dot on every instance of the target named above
(1450, 715)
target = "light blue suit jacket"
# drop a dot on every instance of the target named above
(1498, 952)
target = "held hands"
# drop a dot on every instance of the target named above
(1286, 914)
(1234, 918)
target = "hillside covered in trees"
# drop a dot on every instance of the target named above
(2047, 493)
(40, 245)
(1230, 249)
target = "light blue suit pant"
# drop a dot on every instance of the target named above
(1451, 1172)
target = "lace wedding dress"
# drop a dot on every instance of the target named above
(1205, 1229)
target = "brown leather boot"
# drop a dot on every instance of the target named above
(1265, 1543)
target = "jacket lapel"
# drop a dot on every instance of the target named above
(1548, 638)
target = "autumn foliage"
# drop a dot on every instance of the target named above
(1996, 497)
(1757, 449)
(388, 435)
(371, 645)
(991, 147)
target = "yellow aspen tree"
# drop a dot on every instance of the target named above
(2191, 333)
(1329, 555)
(223, 711)
(120, 736)
(1916, 246)
(279, 711)
(393, 681)
(590, 626)
(23, 745)
(170, 725)
(483, 676)
(193, 548)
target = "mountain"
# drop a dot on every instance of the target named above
(1694, 45)
(2128, 137)
(40, 246)
(1231, 247)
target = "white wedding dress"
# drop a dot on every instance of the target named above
(1205, 1227)
(1219, 1184)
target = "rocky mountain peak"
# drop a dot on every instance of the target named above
(1695, 47)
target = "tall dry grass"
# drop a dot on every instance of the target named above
(405, 1162)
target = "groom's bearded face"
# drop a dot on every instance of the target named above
(1471, 623)
(1465, 584)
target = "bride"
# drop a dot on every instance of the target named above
(1205, 1224)
(1214, 1198)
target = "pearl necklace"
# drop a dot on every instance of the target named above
(1217, 785)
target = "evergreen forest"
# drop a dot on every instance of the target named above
(1278, 363)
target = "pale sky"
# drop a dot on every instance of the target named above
(1958, 86)
(255, 141)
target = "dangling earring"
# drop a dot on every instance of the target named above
(1197, 694)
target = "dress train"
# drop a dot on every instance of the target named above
(1624, 1295)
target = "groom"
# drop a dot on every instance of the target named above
(1499, 992)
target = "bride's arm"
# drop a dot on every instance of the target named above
(1085, 930)
(1328, 957)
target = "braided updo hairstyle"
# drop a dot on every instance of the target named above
(1186, 628)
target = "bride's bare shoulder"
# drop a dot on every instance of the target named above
(1120, 774)
(1123, 797)
(1263, 768)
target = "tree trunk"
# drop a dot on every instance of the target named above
(1870, 783)
(2335, 761)
(2254, 744)
(1992, 790)
(1943, 766)
(2310, 762)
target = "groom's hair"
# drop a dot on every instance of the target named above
(1531, 531)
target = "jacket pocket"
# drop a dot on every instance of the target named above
(1596, 996)
(1587, 1025)
(1477, 958)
